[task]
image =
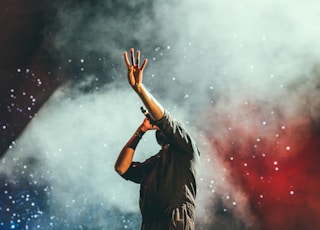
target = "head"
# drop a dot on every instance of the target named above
(161, 138)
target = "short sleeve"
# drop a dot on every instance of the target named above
(134, 172)
(138, 171)
(178, 133)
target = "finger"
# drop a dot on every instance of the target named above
(125, 57)
(177, 214)
(138, 58)
(132, 56)
(144, 64)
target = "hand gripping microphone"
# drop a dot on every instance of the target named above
(145, 112)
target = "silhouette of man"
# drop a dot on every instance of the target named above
(167, 179)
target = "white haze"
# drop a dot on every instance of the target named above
(218, 54)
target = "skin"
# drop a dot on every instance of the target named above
(155, 109)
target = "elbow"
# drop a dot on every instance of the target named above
(120, 170)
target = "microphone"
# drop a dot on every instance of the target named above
(145, 112)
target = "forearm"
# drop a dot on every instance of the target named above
(154, 108)
(126, 155)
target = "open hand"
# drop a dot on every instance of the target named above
(135, 71)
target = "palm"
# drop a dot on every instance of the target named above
(135, 71)
(134, 75)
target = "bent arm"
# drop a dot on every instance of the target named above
(126, 154)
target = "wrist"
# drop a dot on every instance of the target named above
(139, 133)
(142, 128)
(139, 88)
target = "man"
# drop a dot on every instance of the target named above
(168, 179)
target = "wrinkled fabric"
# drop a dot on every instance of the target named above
(168, 180)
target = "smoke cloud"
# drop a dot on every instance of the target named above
(239, 74)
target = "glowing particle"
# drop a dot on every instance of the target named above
(258, 139)
(283, 127)
(168, 47)
(271, 76)
(276, 168)
(261, 196)
(264, 123)
(245, 164)
(234, 203)
(291, 192)
(275, 162)
(82, 60)
(231, 158)
(288, 148)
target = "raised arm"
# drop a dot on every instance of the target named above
(156, 111)
(135, 76)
